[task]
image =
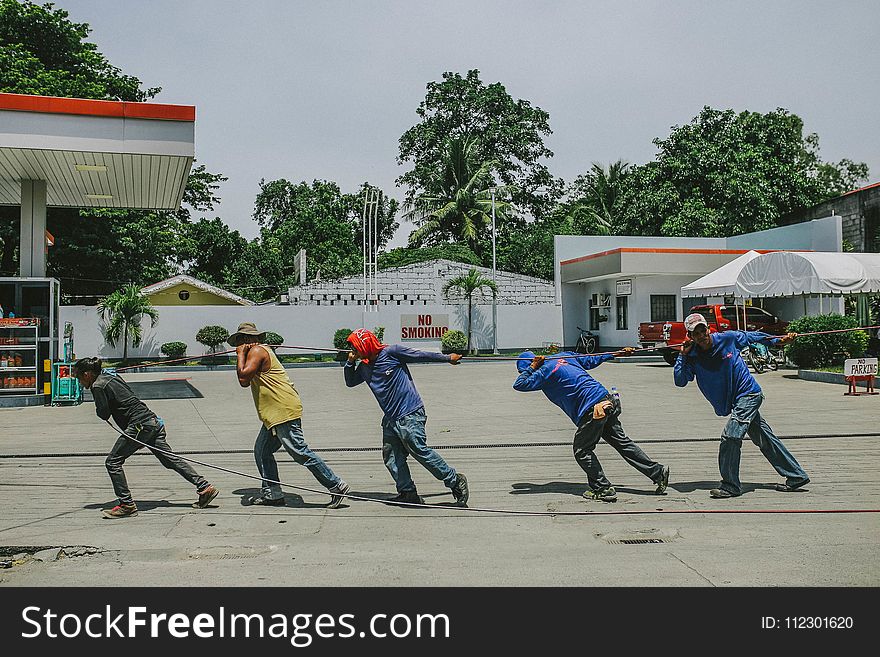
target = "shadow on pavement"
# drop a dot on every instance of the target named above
(565, 487)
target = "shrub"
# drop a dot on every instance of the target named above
(453, 342)
(552, 348)
(212, 336)
(173, 349)
(340, 338)
(340, 342)
(824, 350)
(273, 339)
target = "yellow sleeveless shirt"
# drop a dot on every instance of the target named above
(276, 399)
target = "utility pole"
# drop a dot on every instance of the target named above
(494, 294)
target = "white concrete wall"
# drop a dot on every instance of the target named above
(313, 326)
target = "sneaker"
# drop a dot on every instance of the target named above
(460, 490)
(205, 497)
(788, 488)
(121, 511)
(265, 501)
(663, 482)
(339, 492)
(408, 497)
(602, 494)
(721, 494)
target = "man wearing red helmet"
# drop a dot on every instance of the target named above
(384, 369)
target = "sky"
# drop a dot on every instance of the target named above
(307, 90)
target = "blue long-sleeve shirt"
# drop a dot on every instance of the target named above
(390, 380)
(722, 375)
(565, 382)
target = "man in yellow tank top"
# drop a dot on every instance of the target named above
(280, 410)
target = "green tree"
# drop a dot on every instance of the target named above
(403, 256)
(123, 311)
(594, 205)
(45, 54)
(210, 247)
(323, 221)
(506, 130)
(457, 202)
(212, 336)
(467, 285)
(727, 174)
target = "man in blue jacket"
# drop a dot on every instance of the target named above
(724, 379)
(565, 382)
(384, 369)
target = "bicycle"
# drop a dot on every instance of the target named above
(587, 342)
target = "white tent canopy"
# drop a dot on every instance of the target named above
(722, 281)
(792, 273)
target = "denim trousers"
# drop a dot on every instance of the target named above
(404, 437)
(745, 419)
(154, 435)
(587, 436)
(290, 435)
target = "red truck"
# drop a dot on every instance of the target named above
(719, 317)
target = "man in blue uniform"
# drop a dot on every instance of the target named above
(714, 360)
(384, 369)
(565, 382)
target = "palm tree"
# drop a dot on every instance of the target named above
(600, 189)
(458, 202)
(125, 309)
(467, 284)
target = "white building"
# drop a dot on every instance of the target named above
(609, 284)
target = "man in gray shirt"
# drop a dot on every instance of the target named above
(113, 398)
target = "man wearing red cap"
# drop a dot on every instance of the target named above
(384, 369)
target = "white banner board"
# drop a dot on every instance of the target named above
(860, 367)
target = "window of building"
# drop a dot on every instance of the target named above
(662, 307)
(594, 319)
(621, 313)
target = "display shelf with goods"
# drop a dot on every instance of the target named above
(19, 372)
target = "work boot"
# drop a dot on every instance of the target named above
(121, 511)
(205, 497)
(790, 488)
(602, 494)
(339, 492)
(460, 490)
(408, 497)
(722, 494)
(265, 501)
(663, 482)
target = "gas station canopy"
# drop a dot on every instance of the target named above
(95, 153)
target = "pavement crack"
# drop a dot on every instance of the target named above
(691, 568)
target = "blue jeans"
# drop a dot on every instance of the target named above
(290, 435)
(406, 436)
(745, 419)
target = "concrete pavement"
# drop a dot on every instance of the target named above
(51, 493)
